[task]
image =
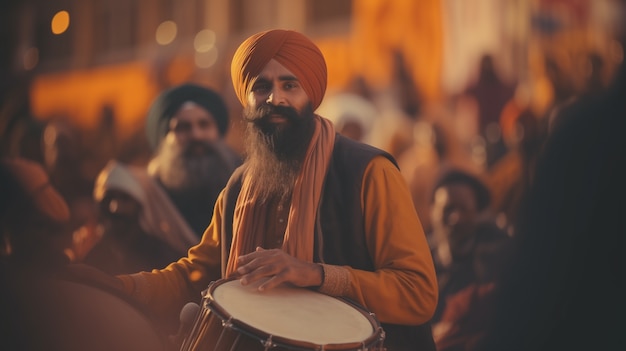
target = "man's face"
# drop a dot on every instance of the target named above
(454, 210)
(280, 125)
(277, 86)
(192, 127)
(280, 110)
(189, 156)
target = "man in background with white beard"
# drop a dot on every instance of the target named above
(192, 163)
(152, 215)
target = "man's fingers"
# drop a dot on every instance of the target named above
(272, 282)
(244, 259)
(276, 266)
(255, 273)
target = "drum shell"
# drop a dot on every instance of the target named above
(216, 330)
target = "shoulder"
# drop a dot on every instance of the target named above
(350, 153)
(237, 176)
(231, 191)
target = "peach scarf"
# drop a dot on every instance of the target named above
(250, 215)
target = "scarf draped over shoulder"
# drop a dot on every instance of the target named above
(250, 214)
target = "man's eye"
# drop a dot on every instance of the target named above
(205, 124)
(261, 88)
(291, 85)
(182, 127)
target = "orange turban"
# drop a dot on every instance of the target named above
(291, 49)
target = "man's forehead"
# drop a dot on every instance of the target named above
(190, 111)
(275, 70)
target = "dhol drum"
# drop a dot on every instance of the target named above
(237, 317)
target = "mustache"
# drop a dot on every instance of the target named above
(207, 148)
(264, 111)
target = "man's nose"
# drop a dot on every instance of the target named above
(197, 132)
(453, 218)
(275, 98)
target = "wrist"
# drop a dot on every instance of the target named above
(320, 276)
(336, 280)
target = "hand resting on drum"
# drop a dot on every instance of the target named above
(278, 267)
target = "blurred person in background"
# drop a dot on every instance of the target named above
(44, 305)
(436, 148)
(489, 93)
(463, 233)
(160, 211)
(65, 157)
(139, 229)
(510, 177)
(525, 128)
(353, 115)
(187, 125)
(400, 105)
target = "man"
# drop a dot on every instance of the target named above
(308, 207)
(187, 125)
(467, 245)
(175, 196)
(135, 238)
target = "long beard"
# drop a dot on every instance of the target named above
(275, 153)
(185, 169)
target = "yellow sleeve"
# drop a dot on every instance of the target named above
(403, 287)
(165, 291)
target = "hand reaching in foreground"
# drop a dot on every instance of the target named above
(278, 267)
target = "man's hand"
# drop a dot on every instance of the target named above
(279, 267)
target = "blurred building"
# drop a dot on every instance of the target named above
(74, 59)
(77, 56)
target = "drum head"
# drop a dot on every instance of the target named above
(290, 313)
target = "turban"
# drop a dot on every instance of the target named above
(289, 48)
(169, 102)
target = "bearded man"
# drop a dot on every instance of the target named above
(154, 215)
(308, 207)
(192, 164)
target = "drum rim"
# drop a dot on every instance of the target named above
(279, 341)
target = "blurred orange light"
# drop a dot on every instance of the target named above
(60, 22)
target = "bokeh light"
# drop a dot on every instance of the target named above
(166, 32)
(60, 22)
(206, 59)
(204, 40)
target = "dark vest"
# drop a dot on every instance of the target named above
(340, 225)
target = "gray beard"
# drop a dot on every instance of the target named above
(178, 172)
(273, 177)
